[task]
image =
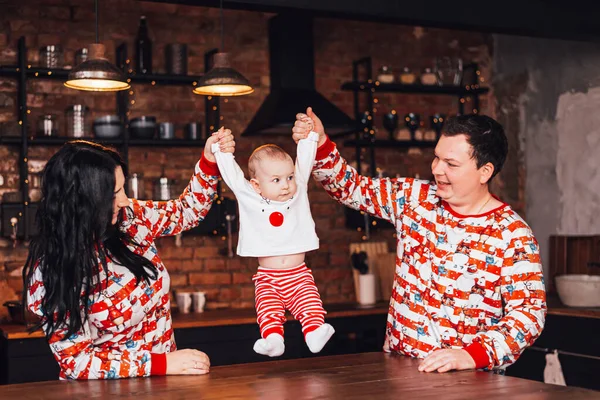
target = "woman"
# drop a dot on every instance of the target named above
(93, 274)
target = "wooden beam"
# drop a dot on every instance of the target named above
(575, 19)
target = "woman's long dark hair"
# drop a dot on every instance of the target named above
(76, 234)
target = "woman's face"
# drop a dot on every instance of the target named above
(120, 198)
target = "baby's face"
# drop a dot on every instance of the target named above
(275, 179)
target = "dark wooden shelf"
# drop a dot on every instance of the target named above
(167, 142)
(165, 79)
(61, 74)
(414, 89)
(10, 140)
(60, 140)
(381, 143)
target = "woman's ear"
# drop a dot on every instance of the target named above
(255, 185)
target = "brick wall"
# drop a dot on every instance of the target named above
(199, 264)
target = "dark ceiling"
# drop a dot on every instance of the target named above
(573, 19)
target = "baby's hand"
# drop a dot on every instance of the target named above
(226, 143)
(305, 123)
(302, 127)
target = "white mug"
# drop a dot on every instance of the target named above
(184, 302)
(366, 292)
(199, 300)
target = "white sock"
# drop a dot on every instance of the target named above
(271, 346)
(317, 339)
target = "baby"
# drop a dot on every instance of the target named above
(276, 226)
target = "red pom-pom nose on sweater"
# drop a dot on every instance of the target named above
(276, 218)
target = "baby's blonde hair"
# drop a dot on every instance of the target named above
(265, 152)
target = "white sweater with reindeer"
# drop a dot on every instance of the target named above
(267, 227)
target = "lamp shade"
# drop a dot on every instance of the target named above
(97, 74)
(222, 80)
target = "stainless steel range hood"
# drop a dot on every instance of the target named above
(292, 70)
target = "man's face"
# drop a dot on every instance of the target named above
(455, 169)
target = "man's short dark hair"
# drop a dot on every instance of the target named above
(484, 134)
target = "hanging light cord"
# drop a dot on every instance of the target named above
(222, 28)
(96, 3)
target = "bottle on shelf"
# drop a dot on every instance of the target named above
(143, 49)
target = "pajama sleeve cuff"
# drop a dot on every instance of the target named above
(159, 364)
(324, 150)
(479, 354)
(209, 167)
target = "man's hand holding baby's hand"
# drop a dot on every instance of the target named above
(305, 123)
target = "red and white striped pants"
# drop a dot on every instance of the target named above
(293, 289)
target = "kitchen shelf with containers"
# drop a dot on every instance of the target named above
(107, 129)
(116, 130)
(448, 77)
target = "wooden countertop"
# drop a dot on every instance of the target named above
(555, 307)
(212, 318)
(355, 376)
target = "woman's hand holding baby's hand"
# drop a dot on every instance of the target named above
(226, 143)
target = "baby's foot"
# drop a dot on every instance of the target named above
(272, 346)
(316, 339)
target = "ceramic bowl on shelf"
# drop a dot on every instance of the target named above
(579, 290)
(107, 126)
(143, 127)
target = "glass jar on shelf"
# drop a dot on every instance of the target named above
(35, 187)
(407, 77)
(78, 121)
(449, 70)
(81, 55)
(385, 74)
(428, 77)
(135, 186)
(51, 56)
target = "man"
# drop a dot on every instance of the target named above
(469, 291)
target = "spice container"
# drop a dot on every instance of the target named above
(407, 77)
(47, 125)
(385, 75)
(428, 77)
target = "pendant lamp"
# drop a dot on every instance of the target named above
(222, 79)
(97, 74)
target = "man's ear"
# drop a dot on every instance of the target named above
(255, 185)
(486, 172)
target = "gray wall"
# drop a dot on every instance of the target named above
(550, 89)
